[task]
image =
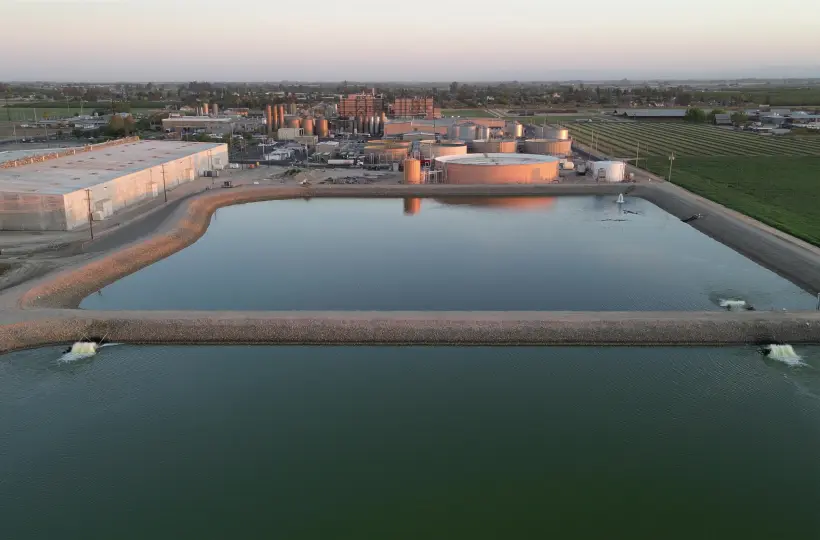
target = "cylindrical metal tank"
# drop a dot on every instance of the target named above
(608, 171)
(498, 169)
(291, 108)
(205, 109)
(268, 118)
(382, 122)
(493, 146)
(412, 206)
(553, 147)
(216, 109)
(360, 123)
(277, 122)
(550, 132)
(385, 152)
(432, 149)
(322, 128)
(281, 115)
(452, 132)
(514, 129)
(466, 132)
(482, 132)
(307, 125)
(412, 171)
(294, 123)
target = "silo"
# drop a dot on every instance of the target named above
(294, 123)
(360, 123)
(412, 171)
(552, 147)
(321, 127)
(291, 108)
(493, 146)
(216, 109)
(307, 125)
(452, 132)
(205, 108)
(382, 122)
(514, 129)
(277, 122)
(482, 132)
(268, 118)
(466, 132)
(281, 115)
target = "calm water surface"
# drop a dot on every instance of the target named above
(383, 442)
(567, 253)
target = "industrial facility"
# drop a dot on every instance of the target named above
(64, 190)
(498, 169)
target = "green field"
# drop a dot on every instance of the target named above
(469, 113)
(773, 179)
(550, 119)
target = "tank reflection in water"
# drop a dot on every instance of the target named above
(518, 253)
(409, 442)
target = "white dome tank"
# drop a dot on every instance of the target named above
(608, 171)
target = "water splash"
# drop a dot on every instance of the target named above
(733, 304)
(783, 353)
(79, 351)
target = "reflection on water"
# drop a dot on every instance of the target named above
(512, 203)
(412, 206)
(496, 253)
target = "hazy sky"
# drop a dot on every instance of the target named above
(329, 40)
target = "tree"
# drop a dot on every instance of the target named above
(713, 113)
(695, 115)
(739, 118)
(683, 99)
(128, 125)
(116, 126)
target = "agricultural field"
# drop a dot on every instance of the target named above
(771, 178)
(467, 113)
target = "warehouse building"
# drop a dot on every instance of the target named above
(56, 192)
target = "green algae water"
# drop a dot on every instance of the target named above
(541, 253)
(410, 442)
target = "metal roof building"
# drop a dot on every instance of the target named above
(58, 191)
(662, 114)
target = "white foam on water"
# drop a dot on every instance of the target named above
(785, 354)
(732, 304)
(79, 351)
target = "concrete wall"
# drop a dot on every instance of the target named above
(31, 212)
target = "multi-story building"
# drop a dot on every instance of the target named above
(365, 104)
(414, 107)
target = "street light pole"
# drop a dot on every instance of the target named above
(90, 217)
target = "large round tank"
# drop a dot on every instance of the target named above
(498, 169)
(322, 128)
(432, 149)
(277, 123)
(281, 115)
(608, 171)
(293, 123)
(467, 132)
(552, 147)
(385, 152)
(412, 171)
(514, 129)
(307, 125)
(482, 132)
(493, 146)
(550, 132)
(360, 123)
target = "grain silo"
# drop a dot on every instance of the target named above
(493, 146)
(216, 109)
(482, 132)
(307, 125)
(431, 149)
(322, 128)
(412, 171)
(498, 169)
(281, 115)
(382, 122)
(552, 147)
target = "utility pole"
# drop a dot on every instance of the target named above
(637, 154)
(671, 159)
(164, 192)
(90, 217)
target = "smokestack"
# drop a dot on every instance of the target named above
(269, 118)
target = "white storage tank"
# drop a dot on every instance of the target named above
(514, 130)
(608, 171)
(452, 132)
(482, 132)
